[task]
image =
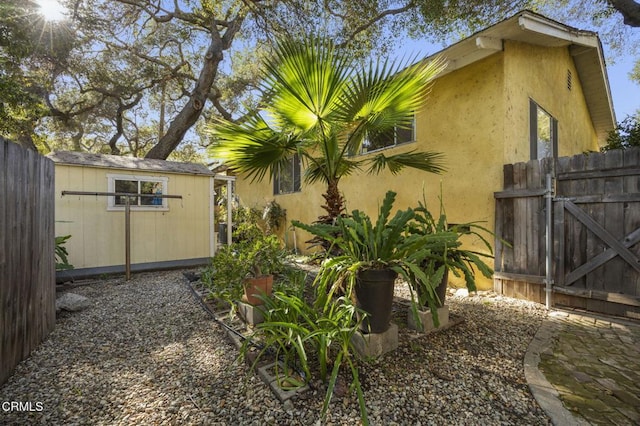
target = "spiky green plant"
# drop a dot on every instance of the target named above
(451, 256)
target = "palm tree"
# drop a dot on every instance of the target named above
(323, 108)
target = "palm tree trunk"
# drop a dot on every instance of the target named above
(334, 203)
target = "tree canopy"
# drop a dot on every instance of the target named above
(141, 77)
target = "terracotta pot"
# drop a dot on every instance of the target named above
(374, 294)
(254, 287)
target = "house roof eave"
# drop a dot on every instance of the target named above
(529, 27)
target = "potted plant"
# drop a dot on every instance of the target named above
(448, 256)
(370, 258)
(260, 260)
(244, 270)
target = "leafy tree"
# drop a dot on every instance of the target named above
(29, 56)
(323, 107)
(625, 135)
(138, 76)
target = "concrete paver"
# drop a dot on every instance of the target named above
(585, 369)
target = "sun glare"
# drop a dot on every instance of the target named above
(52, 10)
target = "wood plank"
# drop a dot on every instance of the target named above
(507, 176)
(520, 221)
(536, 279)
(532, 221)
(595, 279)
(613, 222)
(576, 232)
(600, 295)
(599, 174)
(519, 193)
(631, 211)
(559, 242)
(499, 231)
(607, 198)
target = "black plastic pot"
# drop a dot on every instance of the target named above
(374, 294)
(441, 290)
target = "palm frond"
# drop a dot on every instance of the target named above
(386, 95)
(421, 160)
(252, 147)
(306, 80)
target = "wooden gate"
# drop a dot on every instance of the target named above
(595, 228)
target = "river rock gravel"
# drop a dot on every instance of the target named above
(146, 352)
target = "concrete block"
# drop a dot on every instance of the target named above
(268, 375)
(426, 320)
(250, 314)
(373, 345)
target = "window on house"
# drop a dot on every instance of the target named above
(543, 133)
(149, 186)
(392, 137)
(287, 179)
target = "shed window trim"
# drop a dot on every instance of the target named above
(145, 184)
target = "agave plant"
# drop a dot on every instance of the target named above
(321, 106)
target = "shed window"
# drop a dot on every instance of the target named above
(137, 185)
(287, 179)
(543, 133)
(398, 135)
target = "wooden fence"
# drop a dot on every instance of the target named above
(595, 236)
(27, 265)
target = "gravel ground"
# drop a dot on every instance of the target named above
(146, 352)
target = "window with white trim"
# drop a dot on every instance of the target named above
(287, 179)
(392, 137)
(137, 185)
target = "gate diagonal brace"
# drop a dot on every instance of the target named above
(628, 241)
(603, 234)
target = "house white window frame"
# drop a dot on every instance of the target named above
(296, 171)
(395, 144)
(111, 187)
(534, 109)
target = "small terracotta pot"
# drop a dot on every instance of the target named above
(254, 287)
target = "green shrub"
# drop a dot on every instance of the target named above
(248, 257)
(625, 135)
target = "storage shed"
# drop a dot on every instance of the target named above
(171, 212)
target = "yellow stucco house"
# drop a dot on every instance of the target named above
(528, 87)
(170, 227)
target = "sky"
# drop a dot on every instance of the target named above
(625, 93)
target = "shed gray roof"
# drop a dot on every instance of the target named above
(127, 163)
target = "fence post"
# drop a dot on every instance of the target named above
(548, 242)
